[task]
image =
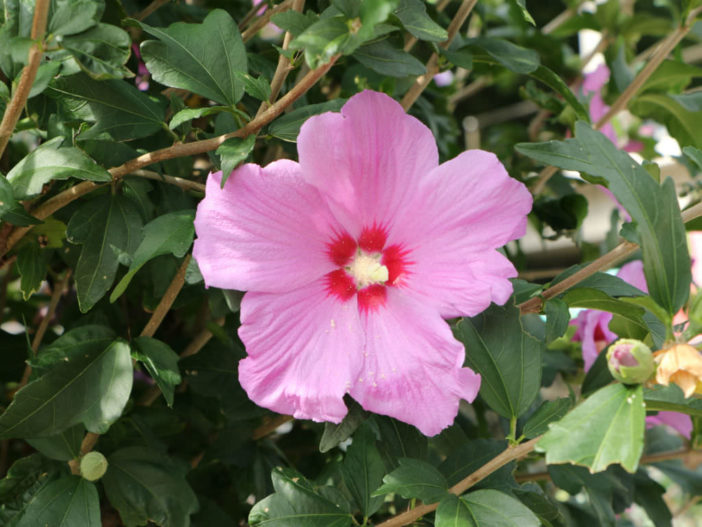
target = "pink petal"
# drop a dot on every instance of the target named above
(468, 207)
(595, 81)
(413, 366)
(593, 331)
(304, 351)
(368, 159)
(632, 273)
(267, 230)
(681, 423)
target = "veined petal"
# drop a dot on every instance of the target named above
(266, 230)
(304, 350)
(368, 159)
(469, 207)
(681, 423)
(413, 365)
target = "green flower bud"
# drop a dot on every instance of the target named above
(93, 466)
(630, 361)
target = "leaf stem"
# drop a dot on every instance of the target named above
(29, 73)
(86, 446)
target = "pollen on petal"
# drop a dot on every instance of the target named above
(340, 284)
(372, 297)
(372, 239)
(341, 249)
(395, 259)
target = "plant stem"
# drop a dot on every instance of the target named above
(86, 446)
(29, 73)
(149, 9)
(261, 21)
(185, 184)
(167, 301)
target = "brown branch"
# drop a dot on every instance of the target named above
(149, 9)
(261, 21)
(167, 301)
(432, 66)
(270, 425)
(86, 446)
(62, 199)
(29, 73)
(510, 454)
(604, 262)
(185, 184)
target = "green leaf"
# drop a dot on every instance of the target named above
(202, 58)
(563, 213)
(288, 126)
(26, 477)
(414, 18)
(514, 58)
(170, 233)
(188, 114)
(372, 14)
(92, 389)
(653, 207)
(548, 412)
(336, 433)
(521, 5)
(146, 485)
(608, 427)
(694, 154)
(232, 152)
(587, 298)
(63, 446)
(259, 88)
(101, 51)
(116, 107)
(680, 121)
(557, 318)
(470, 456)
(484, 508)
(363, 470)
(386, 59)
(161, 362)
(505, 355)
(67, 17)
(50, 162)
(295, 503)
(294, 21)
(415, 478)
(69, 501)
(323, 39)
(649, 495)
(670, 75)
(555, 82)
(671, 399)
(102, 226)
(604, 282)
(399, 440)
(32, 263)
(11, 210)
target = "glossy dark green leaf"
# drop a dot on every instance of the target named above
(557, 318)
(92, 389)
(146, 485)
(288, 126)
(415, 478)
(564, 213)
(232, 152)
(484, 508)
(336, 433)
(505, 355)
(50, 162)
(608, 427)
(587, 298)
(604, 282)
(170, 233)
(202, 58)
(116, 107)
(399, 440)
(63, 446)
(323, 39)
(297, 502)
(472, 455)
(69, 501)
(258, 87)
(363, 470)
(11, 210)
(414, 18)
(514, 58)
(32, 263)
(548, 412)
(188, 114)
(161, 362)
(386, 59)
(653, 207)
(102, 226)
(25, 478)
(67, 17)
(101, 51)
(649, 495)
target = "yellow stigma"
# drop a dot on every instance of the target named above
(366, 270)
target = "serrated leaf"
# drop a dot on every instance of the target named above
(92, 389)
(161, 362)
(288, 126)
(69, 501)
(188, 114)
(67, 17)
(484, 508)
(386, 59)
(259, 88)
(414, 18)
(50, 162)
(363, 471)
(653, 207)
(545, 414)
(608, 427)
(102, 225)
(232, 152)
(202, 58)
(101, 51)
(557, 318)
(415, 478)
(170, 233)
(505, 355)
(146, 485)
(323, 39)
(116, 107)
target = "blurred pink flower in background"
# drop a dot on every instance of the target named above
(353, 257)
(142, 77)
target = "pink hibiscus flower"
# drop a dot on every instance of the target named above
(353, 257)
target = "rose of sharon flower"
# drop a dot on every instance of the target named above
(353, 257)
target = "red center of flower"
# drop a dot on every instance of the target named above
(366, 267)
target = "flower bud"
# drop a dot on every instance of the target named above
(93, 466)
(630, 361)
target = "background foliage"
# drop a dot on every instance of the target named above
(114, 113)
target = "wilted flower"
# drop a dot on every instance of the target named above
(680, 364)
(630, 361)
(352, 258)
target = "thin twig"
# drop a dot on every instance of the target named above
(270, 425)
(510, 454)
(149, 9)
(185, 184)
(167, 301)
(261, 21)
(29, 73)
(62, 199)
